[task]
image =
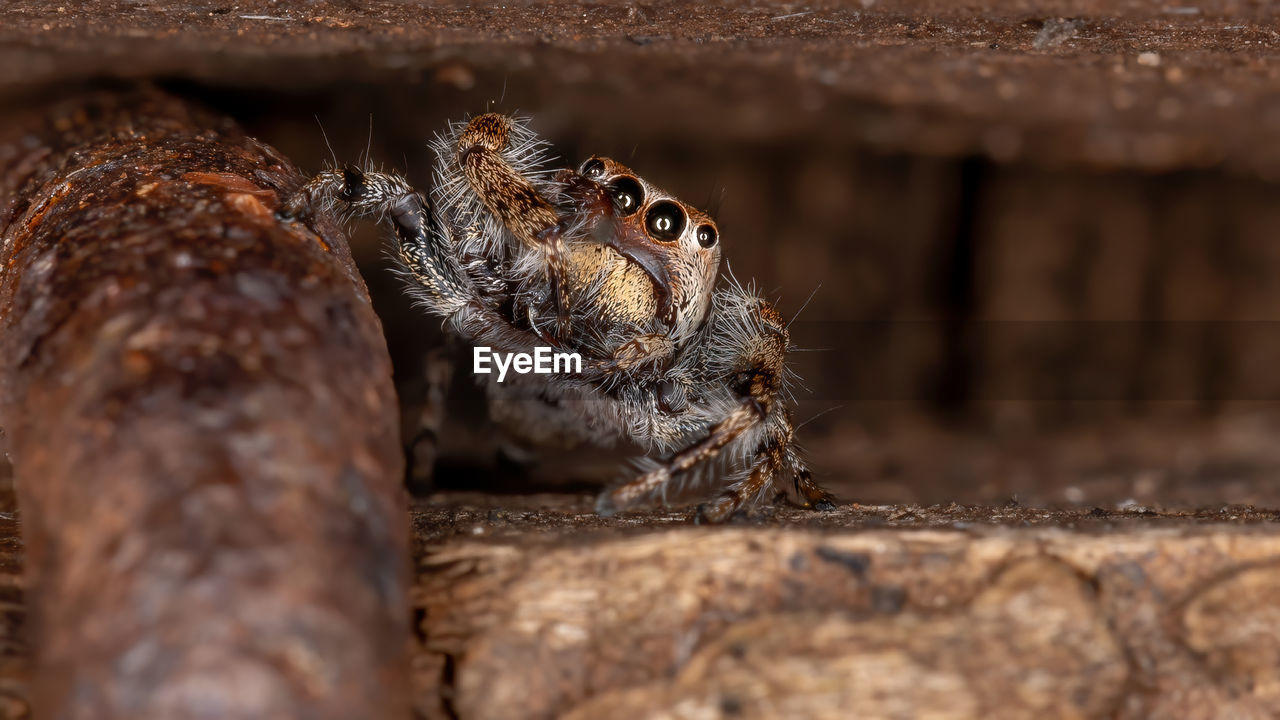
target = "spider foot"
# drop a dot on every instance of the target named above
(605, 505)
(717, 512)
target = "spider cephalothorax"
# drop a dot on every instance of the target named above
(600, 262)
(675, 245)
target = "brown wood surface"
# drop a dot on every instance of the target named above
(198, 406)
(541, 610)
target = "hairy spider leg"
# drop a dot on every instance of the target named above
(511, 198)
(654, 482)
(423, 245)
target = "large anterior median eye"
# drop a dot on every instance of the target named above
(627, 194)
(664, 221)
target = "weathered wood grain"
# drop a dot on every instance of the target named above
(198, 406)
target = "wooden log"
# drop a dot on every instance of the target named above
(200, 413)
(760, 622)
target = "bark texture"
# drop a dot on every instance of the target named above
(199, 409)
(779, 622)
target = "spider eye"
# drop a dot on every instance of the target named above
(593, 169)
(706, 236)
(627, 195)
(665, 221)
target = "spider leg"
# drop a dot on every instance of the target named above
(721, 434)
(425, 248)
(789, 474)
(764, 471)
(749, 342)
(772, 461)
(792, 479)
(513, 199)
(642, 351)
(322, 188)
(810, 494)
(423, 244)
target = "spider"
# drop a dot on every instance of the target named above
(599, 261)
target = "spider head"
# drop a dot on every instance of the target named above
(675, 244)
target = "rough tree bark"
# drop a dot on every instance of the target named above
(782, 622)
(200, 413)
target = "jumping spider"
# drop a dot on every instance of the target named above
(600, 262)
